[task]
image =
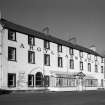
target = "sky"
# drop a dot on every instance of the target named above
(83, 19)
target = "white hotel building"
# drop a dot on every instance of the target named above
(32, 60)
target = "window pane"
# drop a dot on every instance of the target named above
(11, 53)
(46, 44)
(31, 40)
(60, 62)
(11, 80)
(47, 59)
(11, 35)
(59, 48)
(71, 64)
(31, 80)
(31, 57)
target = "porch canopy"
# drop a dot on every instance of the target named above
(81, 75)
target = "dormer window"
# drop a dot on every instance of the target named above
(89, 56)
(81, 54)
(46, 44)
(71, 51)
(102, 60)
(31, 40)
(95, 57)
(59, 48)
(11, 35)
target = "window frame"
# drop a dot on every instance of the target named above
(13, 56)
(89, 67)
(81, 54)
(59, 48)
(81, 65)
(102, 69)
(95, 57)
(60, 62)
(102, 60)
(33, 58)
(96, 68)
(89, 56)
(29, 40)
(71, 51)
(31, 80)
(14, 80)
(46, 59)
(46, 44)
(39, 80)
(10, 31)
(71, 64)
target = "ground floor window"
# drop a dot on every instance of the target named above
(11, 80)
(91, 82)
(39, 79)
(65, 82)
(46, 81)
(102, 83)
(31, 80)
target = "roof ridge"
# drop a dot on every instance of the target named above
(28, 31)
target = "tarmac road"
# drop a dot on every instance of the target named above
(54, 98)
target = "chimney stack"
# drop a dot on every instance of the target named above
(46, 30)
(93, 47)
(73, 40)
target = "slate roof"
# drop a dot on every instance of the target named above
(19, 28)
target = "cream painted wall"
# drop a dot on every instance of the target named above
(22, 65)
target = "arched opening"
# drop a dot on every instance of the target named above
(39, 79)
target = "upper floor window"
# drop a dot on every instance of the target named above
(31, 80)
(46, 59)
(71, 51)
(96, 68)
(60, 64)
(11, 53)
(11, 80)
(95, 57)
(59, 48)
(46, 44)
(31, 57)
(71, 64)
(31, 40)
(89, 56)
(89, 67)
(81, 65)
(102, 60)
(81, 54)
(102, 69)
(11, 35)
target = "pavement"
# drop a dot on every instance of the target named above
(54, 98)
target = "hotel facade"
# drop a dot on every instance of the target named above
(32, 60)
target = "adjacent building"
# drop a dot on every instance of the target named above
(32, 60)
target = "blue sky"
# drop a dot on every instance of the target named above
(83, 19)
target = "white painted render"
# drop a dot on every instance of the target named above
(22, 67)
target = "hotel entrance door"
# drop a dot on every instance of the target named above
(80, 84)
(80, 81)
